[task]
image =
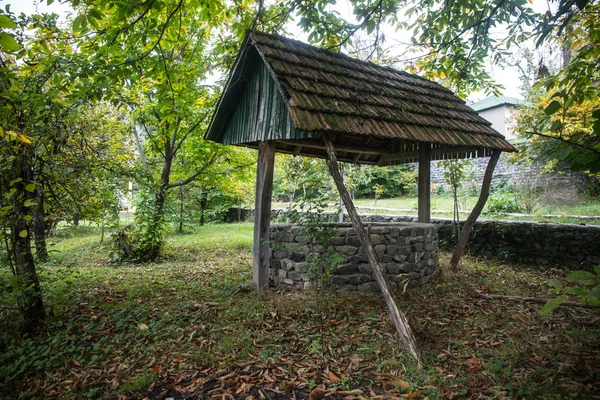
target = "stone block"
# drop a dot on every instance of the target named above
(379, 229)
(405, 268)
(385, 258)
(354, 259)
(417, 247)
(294, 275)
(358, 279)
(391, 250)
(376, 239)
(404, 250)
(353, 241)
(400, 241)
(339, 279)
(305, 277)
(400, 258)
(301, 239)
(302, 267)
(288, 282)
(348, 250)
(380, 249)
(366, 287)
(282, 273)
(395, 232)
(297, 256)
(279, 254)
(338, 241)
(346, 269)
(348, 288)
(287, 264)
(365, 268)
(392, 268)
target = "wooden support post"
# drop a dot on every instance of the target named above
(398, 318)
(483, 196)
(262, 214)
(424, 183)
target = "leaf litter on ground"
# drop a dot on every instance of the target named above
(189, 326)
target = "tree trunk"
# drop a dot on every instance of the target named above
(483, 196)
(155, 227)
(398, 318)
(180, 209)
(203, 205)
(30, 301)
(39, 231)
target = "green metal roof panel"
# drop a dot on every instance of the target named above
(495, 101)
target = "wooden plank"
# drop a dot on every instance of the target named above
(483, 196)
(262, 214)
(424, 183)
(398, 318)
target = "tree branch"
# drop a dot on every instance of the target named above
(195, 175)
(560, 139)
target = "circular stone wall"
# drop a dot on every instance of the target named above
(406, 251)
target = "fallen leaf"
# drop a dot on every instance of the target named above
(401, 384)
(412, 395)
(143, 327)
(316, 394)
(332, 377)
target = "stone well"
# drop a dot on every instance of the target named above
(406, 250)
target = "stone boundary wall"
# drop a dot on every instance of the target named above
(406, 250)
(561, 245)
(541, 244)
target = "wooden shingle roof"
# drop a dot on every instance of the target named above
(375, 112)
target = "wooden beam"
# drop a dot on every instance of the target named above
(398, 318)
(483, 196)
(434, 152)
(348, 149)
(262, 214)
(424, 183)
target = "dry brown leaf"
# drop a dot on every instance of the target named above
(316, 394)
(332, 377)
(400, 383)
(412, 395)
(354, 392)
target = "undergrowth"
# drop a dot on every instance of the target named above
(190, 325)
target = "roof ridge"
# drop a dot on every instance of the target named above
(354, 60)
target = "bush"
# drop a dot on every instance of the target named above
(501, 203)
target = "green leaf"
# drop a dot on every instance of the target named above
(578, 276)
(6, 22)
(30, 187)
(577, 291)
(30, 203)
(552, 108)
(551, 305)
(23, 233)
(596, 113)
(8, 43)
(557, 285)
(556, 125)
(597, 269)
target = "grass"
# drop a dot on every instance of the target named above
(191, 325)
(444, 205)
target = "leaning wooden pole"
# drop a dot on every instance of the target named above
(398, 318)
(483, 196)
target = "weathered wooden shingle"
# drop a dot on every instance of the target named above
(354, 101)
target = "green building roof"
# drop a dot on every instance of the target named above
(494, 101)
